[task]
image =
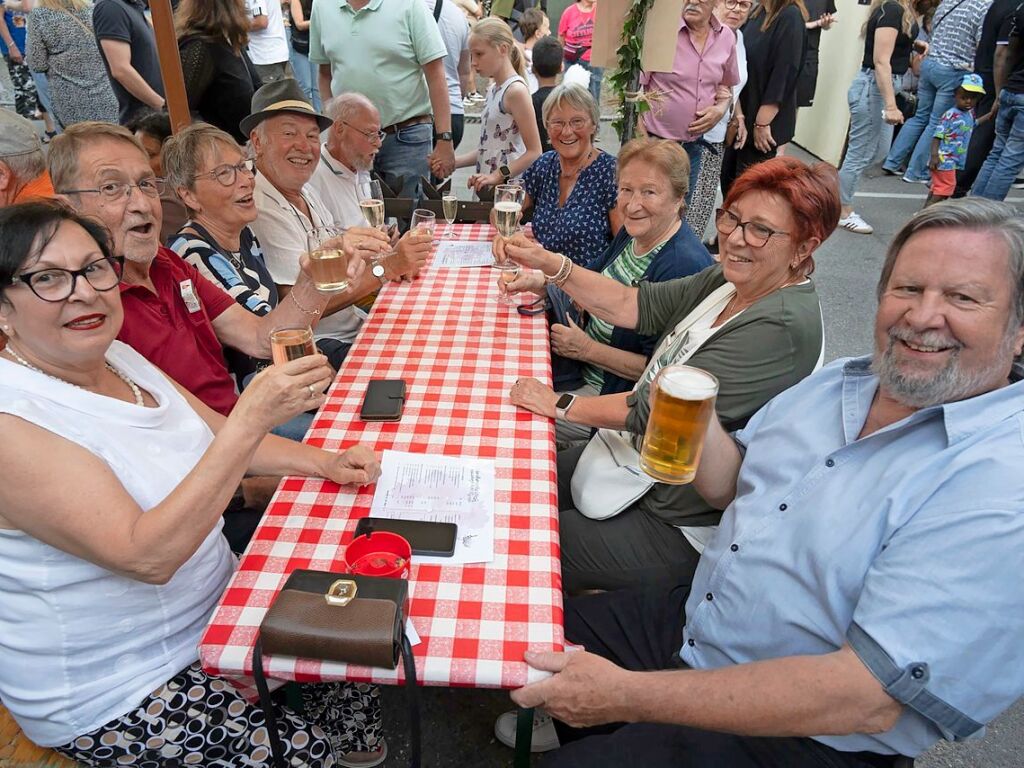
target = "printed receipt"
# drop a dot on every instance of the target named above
(443, 489)
(463, 253)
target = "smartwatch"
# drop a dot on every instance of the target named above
(563, 405)
(378, 271)
(505, 171)
(443, 136)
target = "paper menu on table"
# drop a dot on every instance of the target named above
(461, 253)
(444, 489)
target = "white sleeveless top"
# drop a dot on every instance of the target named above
(79, 645)
(500, 141)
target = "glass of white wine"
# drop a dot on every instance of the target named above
(423, 220)
(328, 262)
(450, 204)
(508, 209)
(371, 203)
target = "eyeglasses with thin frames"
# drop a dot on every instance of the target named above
(743, 5)
(118, 190)
(54, 284)
(228, 174)
(576, 124)
(755, 234)
(370, 135)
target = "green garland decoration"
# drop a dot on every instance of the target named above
(626, 77)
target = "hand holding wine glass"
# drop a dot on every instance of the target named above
(423, 220)
(371, 203)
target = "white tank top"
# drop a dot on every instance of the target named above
(79, 645)
(500, 140)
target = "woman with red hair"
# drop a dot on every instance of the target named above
(753, 321)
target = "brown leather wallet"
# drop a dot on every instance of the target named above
(337, 617)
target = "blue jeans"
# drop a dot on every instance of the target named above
(404, 153)
(306, 74)
(866, 125)
(295, 428)
(596, 76)
(1007, 156)
(694, 150)
(934, 96)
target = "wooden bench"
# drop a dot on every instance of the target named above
(16, 751)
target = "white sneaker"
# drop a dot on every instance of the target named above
(544, 736)
(854, 223)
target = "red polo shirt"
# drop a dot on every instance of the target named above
(178, 338)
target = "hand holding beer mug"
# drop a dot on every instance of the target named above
(682, 404)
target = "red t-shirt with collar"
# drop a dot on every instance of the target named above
(180, 342)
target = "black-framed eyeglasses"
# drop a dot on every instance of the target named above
(228, 174)
(56, 284)
(370, 135)
(118, 190)
(755, 234)
(744, 5)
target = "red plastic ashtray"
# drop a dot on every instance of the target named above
(379, 553)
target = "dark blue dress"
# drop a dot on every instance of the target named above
(580, 228)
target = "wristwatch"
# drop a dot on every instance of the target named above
(443, 136)
(378, 271)
(505, 171)
(563, 405)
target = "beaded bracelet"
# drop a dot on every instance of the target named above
(302, 309)
(562, 274)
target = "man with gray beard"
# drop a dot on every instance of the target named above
(861, 598)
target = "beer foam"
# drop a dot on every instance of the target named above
(687, 383)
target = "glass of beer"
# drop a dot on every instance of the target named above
(291, 343)
(450, 205)
(328, 262)
(683, 402)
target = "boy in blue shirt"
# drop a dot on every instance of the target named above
(952, 137)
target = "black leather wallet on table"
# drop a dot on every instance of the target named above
(338, 617)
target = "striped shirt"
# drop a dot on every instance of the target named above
(627, 269)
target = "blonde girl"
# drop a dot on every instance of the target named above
(509, 140)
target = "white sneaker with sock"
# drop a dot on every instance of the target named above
(854, 223)
(544, 736)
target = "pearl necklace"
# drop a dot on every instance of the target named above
(123, 377)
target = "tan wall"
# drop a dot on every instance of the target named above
(821, 129)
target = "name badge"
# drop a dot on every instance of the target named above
(188, 295)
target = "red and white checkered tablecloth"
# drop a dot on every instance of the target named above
(459, 351)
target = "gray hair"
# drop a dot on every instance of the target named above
(184, 152)
(346, 106)
(975, 213)
(571, 96)
(26, 167)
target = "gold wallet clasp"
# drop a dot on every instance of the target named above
(341, 593)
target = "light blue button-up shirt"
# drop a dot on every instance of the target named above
(907, 544)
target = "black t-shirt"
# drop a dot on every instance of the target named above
(996, 24)
(890, 15)
(538, 103)
(125, 21)
(300, 37)
(775, 57)
(815, 10)
(1015, 81)
(219, 83)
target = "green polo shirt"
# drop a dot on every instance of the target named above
(378, 51)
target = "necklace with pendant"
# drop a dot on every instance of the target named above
(123, 377)
(573, 174)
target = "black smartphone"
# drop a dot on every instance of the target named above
(383, 400)
(425, 538)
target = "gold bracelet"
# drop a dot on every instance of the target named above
(302, 309)
(559, 277)
(560, 281)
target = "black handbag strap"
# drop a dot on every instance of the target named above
(270, 713)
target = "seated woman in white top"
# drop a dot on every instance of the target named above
(111, 556)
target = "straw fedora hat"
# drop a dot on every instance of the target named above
(283, 95)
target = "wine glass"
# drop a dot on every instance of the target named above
(371, 202)
(508, 271)
(328, 262)
(424, 221)
(508, 208)
(450, 204)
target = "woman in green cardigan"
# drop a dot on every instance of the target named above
(753, 321)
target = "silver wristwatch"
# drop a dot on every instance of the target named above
(378, 271)
(563, 405)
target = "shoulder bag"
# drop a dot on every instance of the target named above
(608, 478)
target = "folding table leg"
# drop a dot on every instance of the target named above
(524, 738)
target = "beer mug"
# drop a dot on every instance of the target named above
(683, 401)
